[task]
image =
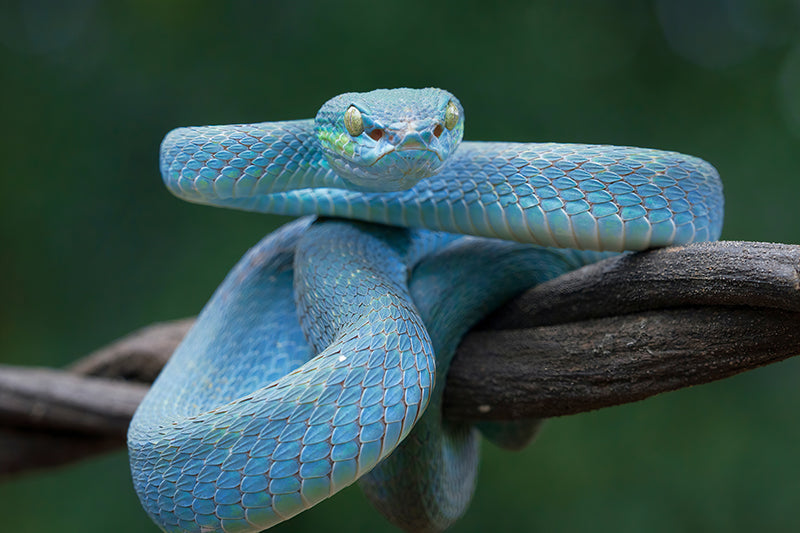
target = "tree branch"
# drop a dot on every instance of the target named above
(630, 327)
(614, 332)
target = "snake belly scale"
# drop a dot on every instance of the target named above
(322, 357)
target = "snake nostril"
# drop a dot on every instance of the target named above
(438, 130)
(376, 134)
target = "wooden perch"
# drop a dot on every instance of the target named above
(610, 333)
(631, 327)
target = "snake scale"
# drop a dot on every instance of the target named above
(322, 357)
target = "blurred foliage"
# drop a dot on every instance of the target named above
(93, 246)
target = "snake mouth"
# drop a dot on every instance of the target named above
(414, 153)
(410, 144)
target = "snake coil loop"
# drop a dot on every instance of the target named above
(321, 358)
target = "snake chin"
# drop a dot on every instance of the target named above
(395, 173)
(396, 170)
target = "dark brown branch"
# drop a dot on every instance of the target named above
(631, 327)
(138, 356)
(579, 366)
(42, 398)
(729, 273)
(50, 417)
(615, 332)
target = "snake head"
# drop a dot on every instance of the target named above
(389, 139)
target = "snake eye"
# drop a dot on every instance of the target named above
(450, 116)
(353, 121)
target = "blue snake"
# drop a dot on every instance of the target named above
(321, 359)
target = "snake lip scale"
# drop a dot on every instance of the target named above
(321, 358)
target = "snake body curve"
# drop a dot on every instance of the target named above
(313, 364)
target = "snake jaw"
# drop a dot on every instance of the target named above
(411, 144)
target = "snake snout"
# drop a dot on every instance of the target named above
(411, 143)
(412, 135)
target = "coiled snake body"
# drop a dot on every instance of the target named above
(321, 358)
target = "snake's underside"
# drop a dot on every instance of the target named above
(321, 358)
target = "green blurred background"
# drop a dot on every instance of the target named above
(94, 247)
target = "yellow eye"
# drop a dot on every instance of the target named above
(450, 116)
(353, 121)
